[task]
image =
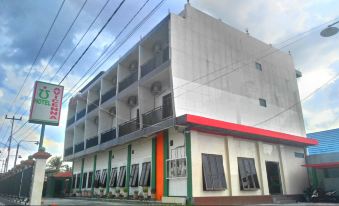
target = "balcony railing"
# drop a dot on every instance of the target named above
(79, 147)
(91, 142)
(129, 127)
(108, 135)
(68, 151)
(156, 61)
(70, 121)
(81, 114)
(155, 116)
(109, 94)
(128, 81)
(92, 106)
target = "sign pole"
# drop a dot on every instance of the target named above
(42, 135)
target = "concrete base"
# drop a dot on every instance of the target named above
(174, 200)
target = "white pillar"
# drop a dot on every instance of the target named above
(38, 177)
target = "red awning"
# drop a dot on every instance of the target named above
(323, 165)
(219, 127)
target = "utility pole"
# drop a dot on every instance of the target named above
(10, 139)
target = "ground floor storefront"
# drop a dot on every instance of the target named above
(199, 161)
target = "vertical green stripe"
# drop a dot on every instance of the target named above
(108, 171)
(82, 173)
(189, 166)
(153, 180)
(93, 174)
(128, 172)
(165, 163)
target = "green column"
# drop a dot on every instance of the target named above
(153, 179)
(128, 168)
(93, 175)
(165, 163)
(189, 166)
(82, 173)
(109, 165)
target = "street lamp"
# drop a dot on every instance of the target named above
(17, 148)
(330, 30)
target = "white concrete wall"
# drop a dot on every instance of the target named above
(176, 186)
(293, 175)
(119, 158)
(204, 50)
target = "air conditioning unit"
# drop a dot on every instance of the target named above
(156, 88)
(133, 66)
(132, 101)
(157, 48)
(112, 111)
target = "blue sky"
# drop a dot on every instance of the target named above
(24, 24)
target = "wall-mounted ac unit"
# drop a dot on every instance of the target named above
(133, 66)
(156, 88)
(157, 47)
(132, 101)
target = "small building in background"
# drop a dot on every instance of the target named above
(323, 160)
(58, 184)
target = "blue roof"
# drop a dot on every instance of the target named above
(328, 142)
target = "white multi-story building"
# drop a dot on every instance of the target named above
(183, 114)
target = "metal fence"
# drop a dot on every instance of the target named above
(17, 184)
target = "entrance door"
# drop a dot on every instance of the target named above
(273, 177)
(167, 106)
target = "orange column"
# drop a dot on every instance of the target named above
(159, 174)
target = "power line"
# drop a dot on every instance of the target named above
(83, 53)
(56, 50)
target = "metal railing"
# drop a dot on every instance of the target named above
(79, 147)
(92, 106)
(156, 61)
(155, 116)
(91, 142)
(128, 81)
(70, 121)
(81, 114)
(108, 95)
(68, 151)
(129, 127)
(108, 135)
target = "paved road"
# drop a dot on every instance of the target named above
(59, 201)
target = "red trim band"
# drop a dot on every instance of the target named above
(323, 165)
(243, 131)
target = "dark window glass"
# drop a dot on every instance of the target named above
(262, 102)
(84, 180)
(74, 181)
(113, 180)
(133, 181)
(145, 174)
(167, 106)
(89, 180)
(331, 172)
(299, 155)
(97, 179)
(78, 180)
(103, 178)
(247, 174)
(213, 172)
(258, 66)
(122, 176)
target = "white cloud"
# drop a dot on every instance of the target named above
(322, 120)
(1, 93)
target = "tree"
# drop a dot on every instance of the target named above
(55, 163)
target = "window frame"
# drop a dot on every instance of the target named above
(258, 66)
(249, 172)
(84, 180)
(122, 177)
(262, 102)
(89, 179)
(145, 175)
(114, 177)
(97, 178)
(134, 176)
(216, 181)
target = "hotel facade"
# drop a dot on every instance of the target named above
(185, 115)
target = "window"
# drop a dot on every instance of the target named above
(78, 181)
(133, 181)
(113, 180)
(176, 167)
(258, 66)
(247, 174)
(262, 102)
(97, 179)
(73, 181)
(299, 155)
(122, 176)
(145, 174)
(84, 180)
(167, 106)
(213, 172)
(89, 180)
(103, 178)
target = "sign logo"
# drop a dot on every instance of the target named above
(46, 103)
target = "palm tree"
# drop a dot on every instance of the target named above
(55, 163)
